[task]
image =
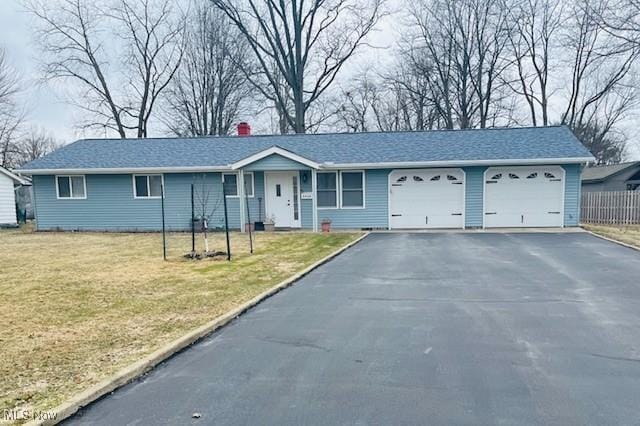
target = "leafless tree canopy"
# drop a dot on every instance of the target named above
(300, 47)
(209, 91)
(118, 79)
(457, 64)
(17, 146)
(11, 115)
(479, 63)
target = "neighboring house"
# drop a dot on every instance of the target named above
(521, 177)
(8, 183)
(616, 177)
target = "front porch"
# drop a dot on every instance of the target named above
(276, 188)
(282, 197)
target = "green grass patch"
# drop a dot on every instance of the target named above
(80, 306)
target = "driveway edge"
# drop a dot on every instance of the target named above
(137, 369)
(612, 240)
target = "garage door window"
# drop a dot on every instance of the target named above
(352, 186)
(533, 175)
(435, 178)
(328, 190)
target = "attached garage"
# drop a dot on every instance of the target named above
(426, 198)
(531, 196)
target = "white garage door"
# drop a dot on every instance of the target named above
(426, 198)
(523, 196)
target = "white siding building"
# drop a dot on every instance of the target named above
(7, 197)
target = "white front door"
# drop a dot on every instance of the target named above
(283, 198)
(426, 198)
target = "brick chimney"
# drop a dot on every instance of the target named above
(244, 129)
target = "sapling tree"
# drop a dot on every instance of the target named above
(207, 201)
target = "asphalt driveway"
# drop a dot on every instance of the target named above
(419, 329)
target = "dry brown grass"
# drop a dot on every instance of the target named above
(78, 307)
(627, 234)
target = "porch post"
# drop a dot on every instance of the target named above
(243, 213)
(314, 193)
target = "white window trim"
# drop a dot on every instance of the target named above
(253, 184)
(337, 206)
(84, 183)
(147, 197)
(237, 175)
(364, 190)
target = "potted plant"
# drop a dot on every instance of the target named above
(326, 225)
(270, 223)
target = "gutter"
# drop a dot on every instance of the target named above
(323, 166)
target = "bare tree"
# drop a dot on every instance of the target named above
(209, 92)
(73, 37)
(606, 145)
(461, 45)
(207, 201)
(153, 33)
(599, 67)
(536, 26)
(35, 144)
(308, 42)
(409, 86)
(621, 19)
(358, 103)
(11, 116)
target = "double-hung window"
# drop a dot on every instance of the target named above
(230, 181)
(352, 189)
(147, 186)
(231, 184)
(248, 184)
(71, 187)
(327, 188)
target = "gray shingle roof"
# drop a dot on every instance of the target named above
(598, 173)
(340, 148)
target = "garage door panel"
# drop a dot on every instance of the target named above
(426, 198)
(524, 196)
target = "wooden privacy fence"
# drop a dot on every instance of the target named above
(611, 208)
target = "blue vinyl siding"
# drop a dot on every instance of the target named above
(275, 162)
(110, 204)
(376, 212)
(572, 194)
(474, 198)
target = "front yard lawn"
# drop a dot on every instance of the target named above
(629, 234)
(77, 307)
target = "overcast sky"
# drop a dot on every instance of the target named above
(48, 110)
(44, 106)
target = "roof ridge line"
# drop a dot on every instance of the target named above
(476, 129)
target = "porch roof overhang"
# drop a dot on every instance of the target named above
(274, 150)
